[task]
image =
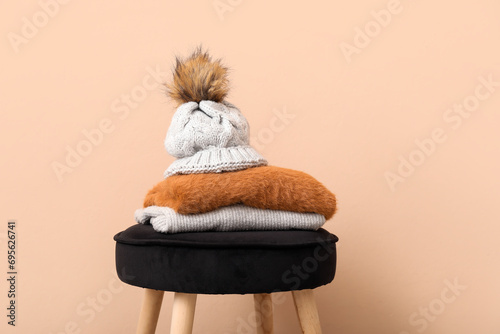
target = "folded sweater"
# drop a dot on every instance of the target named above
(229, 218)
(266, 187)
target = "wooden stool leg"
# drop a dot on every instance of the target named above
(183, 313)
(264, 313)
(151, 306)
(305, 305)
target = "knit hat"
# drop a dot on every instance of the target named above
(207, 134)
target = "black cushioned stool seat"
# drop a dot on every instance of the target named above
(249, 262)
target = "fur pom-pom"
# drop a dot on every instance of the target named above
(198, 78)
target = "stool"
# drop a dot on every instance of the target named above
(248, 262)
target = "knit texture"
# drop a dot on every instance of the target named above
(266, 187)
(209, 137)
(230, 218)
(216, 160)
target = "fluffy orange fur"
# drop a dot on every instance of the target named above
(265, 187)
(198, 78)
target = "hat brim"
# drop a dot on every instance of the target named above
(216, 160)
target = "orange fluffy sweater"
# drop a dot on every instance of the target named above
(265, 187)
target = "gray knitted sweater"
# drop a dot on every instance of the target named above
(229, 218)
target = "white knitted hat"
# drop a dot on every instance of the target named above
(209, 137)
(207, 133)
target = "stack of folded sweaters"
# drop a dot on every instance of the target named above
(219, 182)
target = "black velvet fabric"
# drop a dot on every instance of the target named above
(225, 262)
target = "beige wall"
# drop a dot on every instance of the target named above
(358, 104)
